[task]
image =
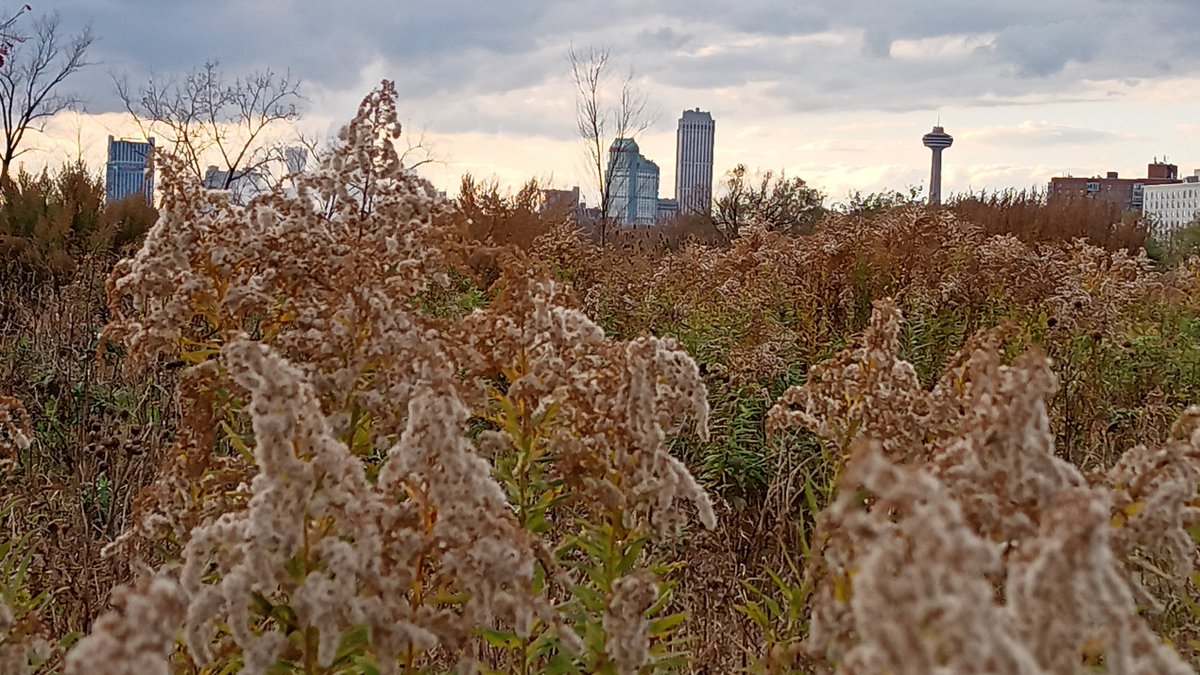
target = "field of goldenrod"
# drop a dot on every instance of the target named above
(362, 429)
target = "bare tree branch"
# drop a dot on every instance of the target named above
(596, 119)
(418, 152)
(31, 72)
(205, 119)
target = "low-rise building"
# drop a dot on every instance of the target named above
(1169, 208)
(1126, 193)
(242, 188)
(562, 202)
(667, 209)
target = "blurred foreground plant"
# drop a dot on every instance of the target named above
(329, 507)
(959, 542)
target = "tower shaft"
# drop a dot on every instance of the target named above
(935, 178)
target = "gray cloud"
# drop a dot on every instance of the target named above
(665, 38)
(444, 53)
(1046, 49)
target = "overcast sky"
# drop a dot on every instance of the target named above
(836, 91)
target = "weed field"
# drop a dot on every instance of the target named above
(364, 429)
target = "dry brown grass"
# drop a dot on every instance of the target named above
(329, 370)
(100, 436)
(1032, 216)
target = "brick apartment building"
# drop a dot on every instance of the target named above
(562, 201)
(1125, 192)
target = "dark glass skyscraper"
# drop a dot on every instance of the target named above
(128, 174)
(633, 184)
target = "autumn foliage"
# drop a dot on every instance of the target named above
(395, 433)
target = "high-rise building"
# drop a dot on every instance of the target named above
(295, 158)
(694, 161)
(242, 188)
(633, 185)
(129, 171)
(937, 141)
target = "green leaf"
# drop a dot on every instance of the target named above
(811, 497)
(286, 616)
(548, 416)
(261, 603)
(237, 442)
(660, 627)
(754, 612)
(631, 556)
(594, 549)
(500, 639)
(590, 597)
(560, 664)
(664, 598)
(773, 607)
(354, 643)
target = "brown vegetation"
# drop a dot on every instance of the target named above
(1032, 216)
(405, 434)
(51, 221)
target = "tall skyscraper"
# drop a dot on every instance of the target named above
(242, 188)
(129, 169)
(694, 161)
(633, 184)
(295, 158)
(936, 140)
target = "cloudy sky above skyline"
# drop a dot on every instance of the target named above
(836, 91)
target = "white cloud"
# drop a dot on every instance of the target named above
(1043, 133)
(941, 47)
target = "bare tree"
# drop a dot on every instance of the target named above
(206, 119)
(597, 118)
(31, 71)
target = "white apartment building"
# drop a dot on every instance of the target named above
(1169, 208)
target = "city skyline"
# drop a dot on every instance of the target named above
(832, 92)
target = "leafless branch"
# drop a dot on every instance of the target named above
(417, 151)
(31, 77)
(597, 119)
(206, 119)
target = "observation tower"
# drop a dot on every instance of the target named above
(936, 140)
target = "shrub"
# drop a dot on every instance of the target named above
(958, 540)
(50, 222)
(1033, 216)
